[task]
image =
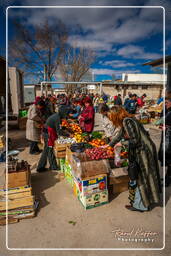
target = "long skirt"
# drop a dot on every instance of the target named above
(135, 196)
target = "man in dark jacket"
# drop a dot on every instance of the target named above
(131, 105)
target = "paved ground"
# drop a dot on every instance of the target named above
(93, 229)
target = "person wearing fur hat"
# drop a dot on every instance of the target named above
(86, 119)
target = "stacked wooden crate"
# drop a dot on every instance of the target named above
(17, 198)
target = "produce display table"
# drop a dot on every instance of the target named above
(85, 164)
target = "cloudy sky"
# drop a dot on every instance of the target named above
(122, 38)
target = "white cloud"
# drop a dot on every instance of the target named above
(136, 52)
(103, 71)
(102, 29)
(117, 63)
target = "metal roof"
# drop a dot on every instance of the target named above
(158, 62)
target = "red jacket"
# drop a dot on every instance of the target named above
(140, 102)
(52, 136)
(87, 119)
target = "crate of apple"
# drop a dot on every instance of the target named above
(99, 153)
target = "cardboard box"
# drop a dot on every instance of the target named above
(120, 184)
(62, 164)
(69, 154)
(119, 188)
(84, 167)
(68, 174)
(118, 180)
(91, 185)
(94, 200)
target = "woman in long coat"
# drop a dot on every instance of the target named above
(167, 143)
(143, 169)
(34, 125)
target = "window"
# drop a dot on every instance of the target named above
(134, 86)
(144, 87)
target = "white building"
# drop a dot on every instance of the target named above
(145, 78)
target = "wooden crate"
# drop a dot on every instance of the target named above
(19, 179)
(17, 203)
(60, 149)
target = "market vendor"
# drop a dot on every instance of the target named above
(50, 133)
(86, 119)
(109, 129)
(143, 169)
(34, 125)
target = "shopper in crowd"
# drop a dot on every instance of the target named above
(131, 105)
(118, 100)
(167, 145)
(143, 169)
(86, 119)
(96, 102)
(34, 125)
(105, 98)
(51, 132)
(76, 104)
(127, 98)
(140, 101)
(160, 99)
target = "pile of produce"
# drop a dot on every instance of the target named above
(75, 128)
(64, 140)
(80, 147)
(124, 154)
(100, 153)
(96, 135)
(65, 123)
(97, 142)
(79, 138)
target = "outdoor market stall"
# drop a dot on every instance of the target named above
(84, 162)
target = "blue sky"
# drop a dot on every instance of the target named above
(122, 38)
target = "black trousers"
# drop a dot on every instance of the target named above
(34, 147)
(47, 154)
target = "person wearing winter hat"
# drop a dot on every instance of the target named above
(86, 119)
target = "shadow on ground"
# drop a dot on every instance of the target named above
(41, 182)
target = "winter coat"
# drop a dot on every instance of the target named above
(118, 101)
(131, 106)
(143, 163)
(33, 120)
(87, 119)
(107, 126)
(167, 140)
(140, 102)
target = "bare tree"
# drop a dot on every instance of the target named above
(75, 63)
(38, 48)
